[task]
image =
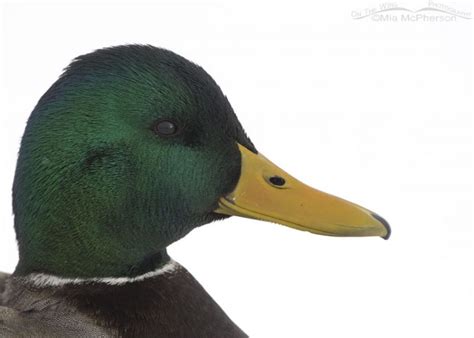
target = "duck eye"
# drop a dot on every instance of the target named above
(165, 128)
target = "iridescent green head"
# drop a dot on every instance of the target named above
(127, 152)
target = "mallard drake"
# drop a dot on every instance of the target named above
(128, 151)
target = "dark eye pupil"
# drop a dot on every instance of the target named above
(165, 128)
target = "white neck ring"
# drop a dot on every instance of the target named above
(44, 280)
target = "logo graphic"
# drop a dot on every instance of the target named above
(393, 12)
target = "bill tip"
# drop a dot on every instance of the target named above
(385, 224)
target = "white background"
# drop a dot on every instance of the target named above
(379, 113)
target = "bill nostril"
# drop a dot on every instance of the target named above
(277, 180)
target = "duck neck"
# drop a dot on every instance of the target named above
(79, 269)
(46, 280)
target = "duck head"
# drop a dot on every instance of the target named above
(132, 148)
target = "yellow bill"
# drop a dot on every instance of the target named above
(268, 193)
